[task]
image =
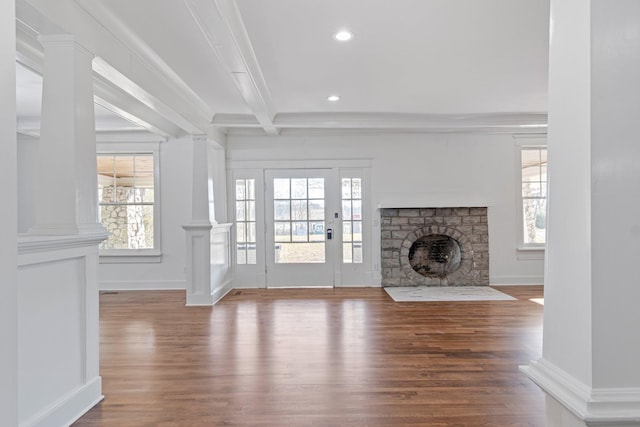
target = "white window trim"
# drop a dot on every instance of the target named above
(134, 256)
(526, 251)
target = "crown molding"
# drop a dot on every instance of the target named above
(484, 122)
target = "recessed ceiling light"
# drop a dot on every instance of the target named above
(333, 98)
(343, 36)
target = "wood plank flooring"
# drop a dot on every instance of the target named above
(317, 357)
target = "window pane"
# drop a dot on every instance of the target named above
(298, 209)
(346, 209)
(282, 210)
(356, 188)
(251, 189)
(126, 197)
(316, 188)
(534, 211)
(251, 211)
(347, 234)
(316, 231)
(251, 232)
(240, 211)
(296, 253)
(346, 188)
(299, 188)
(281, 188)
(357, 209)
(316, 209)
(357, 253)
(240, 189)
(299, 232)
(241, 232)
(357, 231)
(282, 231)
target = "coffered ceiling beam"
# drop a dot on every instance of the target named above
(488, 122)
(221, 25)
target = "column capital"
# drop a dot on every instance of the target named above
(63, 40)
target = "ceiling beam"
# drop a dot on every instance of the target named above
(485, 122)
(222, 26)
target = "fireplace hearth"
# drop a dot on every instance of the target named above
(435, 246)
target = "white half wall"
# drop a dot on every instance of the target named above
(422, 170)
(58, 330)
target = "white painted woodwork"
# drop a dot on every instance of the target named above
(221, 24)
(8, 220)
(589, 362)
(67, 181)
(58, 331)
(200, 179)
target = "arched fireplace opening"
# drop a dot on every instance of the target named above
(435, 255)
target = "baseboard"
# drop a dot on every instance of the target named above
(68, 409)
(142, 285)
(516, 280)
(222, 292)
(596, 407)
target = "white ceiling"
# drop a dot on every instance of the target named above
(259, 63)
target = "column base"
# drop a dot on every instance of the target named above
(597, 407)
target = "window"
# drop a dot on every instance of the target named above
(352, 220)
(245, 221)
(533, 165)
(128, 205)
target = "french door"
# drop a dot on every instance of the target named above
(301, 211)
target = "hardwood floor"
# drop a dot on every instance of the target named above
(317, 357)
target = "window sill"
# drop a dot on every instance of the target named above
(528, 253)
(130, 257)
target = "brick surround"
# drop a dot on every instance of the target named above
(401, 227)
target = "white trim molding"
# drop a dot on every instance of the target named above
(596, 407)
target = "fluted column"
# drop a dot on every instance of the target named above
(591, 352)
(198, 231)
(66, 200)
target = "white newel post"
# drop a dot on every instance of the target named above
(590, 366)
(199, 291)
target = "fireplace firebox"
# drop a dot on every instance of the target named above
(435, 246)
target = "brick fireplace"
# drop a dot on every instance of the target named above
(435, 246)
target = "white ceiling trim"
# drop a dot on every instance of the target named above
(147, 56)
(231, 44)
(493, 122)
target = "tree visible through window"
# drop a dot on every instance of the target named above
(534, 194)
(126, 200)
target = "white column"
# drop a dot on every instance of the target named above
(199, 291)
(66, 201)
(590, 365)
(8, 220)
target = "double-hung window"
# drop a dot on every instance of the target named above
(533, 196)
(128, 203)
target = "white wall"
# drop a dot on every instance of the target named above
(175, 186)
(422, 170)
(8, 220)
(27, 181)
